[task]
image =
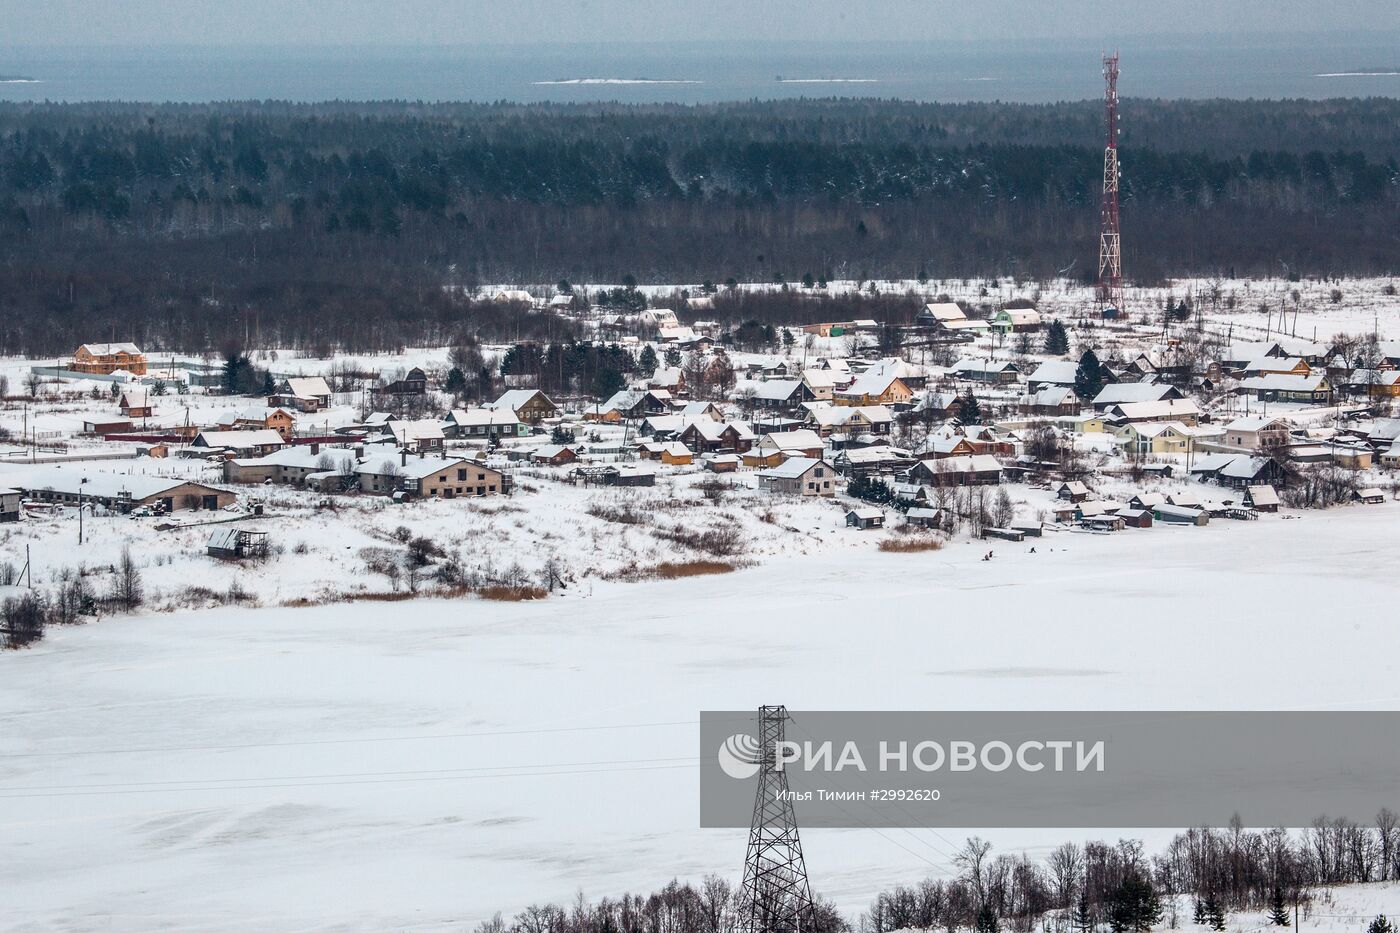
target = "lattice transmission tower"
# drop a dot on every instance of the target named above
(776, 896)
(1110, 290)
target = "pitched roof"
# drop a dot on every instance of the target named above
(804, 439)
(482, 417)
(770, 390)
(1262, 495)
(308, 386)
(241, 440)
(109, 349)
(1284, 382)
(793, 468)
(1056, 372)
(1172, 407)
(1255, 423)
(426, 429)
(945, 310)
(1119, 392)
(969, 365)
(71, 479)
(515, 399)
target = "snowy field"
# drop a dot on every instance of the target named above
(421, 765)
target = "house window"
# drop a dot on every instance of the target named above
(461, 475)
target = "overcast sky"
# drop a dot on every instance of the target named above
(240, 22)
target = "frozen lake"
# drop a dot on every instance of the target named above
(417, 765)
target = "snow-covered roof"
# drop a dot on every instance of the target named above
(412, 467)
(1239, 352)
(1210, 463)
(1164, 409)
(1119, 392)
(1254, 423)
(515, 399)
(792, 468)
(1020, 316)
(110, 349)
(792, 440)
(968, 365)
(667, 377)
(1051, 395)
(871, 382)
(945, 311)
(482, 417)
(712, 430)
(770, 390)
(673, 448)
(1263, 495)
(240, 440)
(1055, 372)
(426, 429)
(965, 463)
(1284, 382)
(308, 386)
(1275, 364)
(866, 512)
(302, 455)
(70, 479)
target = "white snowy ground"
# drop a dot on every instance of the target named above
(420, 765)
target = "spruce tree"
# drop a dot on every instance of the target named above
(646, 361)
(1381, 925)
(1056, 339)
(971, 411)
(1278, 910)
(1198, 912)
(1083, 920)
(1215, 914)
(1088, 378)
(987, 920)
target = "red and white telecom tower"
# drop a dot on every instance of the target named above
(1110, 291)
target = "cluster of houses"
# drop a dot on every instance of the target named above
(808, 428)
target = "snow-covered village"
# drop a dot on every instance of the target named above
(219, 553)
(898, 467)
(1003, 421)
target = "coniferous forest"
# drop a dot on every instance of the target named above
(187, 226)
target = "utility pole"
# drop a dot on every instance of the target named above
(776, 896)
(81, 483)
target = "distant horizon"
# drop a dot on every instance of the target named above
(1217, 37)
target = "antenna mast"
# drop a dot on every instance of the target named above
(1110, 291)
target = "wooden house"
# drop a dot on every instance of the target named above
(800, 476)
(134, 402)
(672, 453)
(9, 505)
(554, 455)
(976, 470)
(531, 406)
(711, 437)
(414, 382)
(865, 517)
(1261, 498)
(301, 393)
(103, 359)
(1257, 433)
